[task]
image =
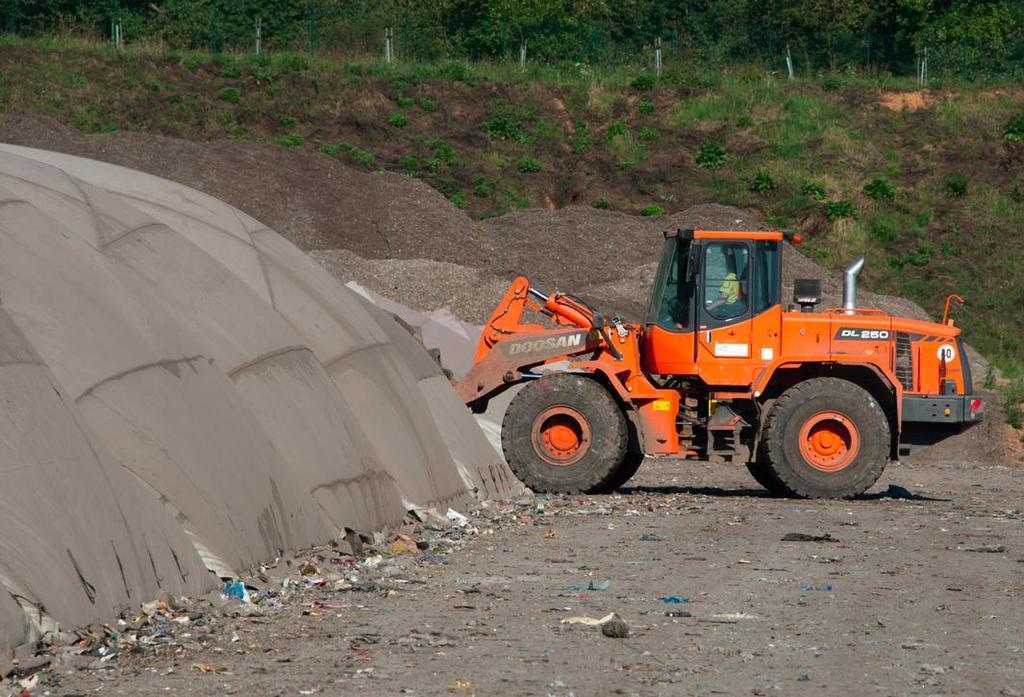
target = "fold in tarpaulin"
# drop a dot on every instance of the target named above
(185, 390)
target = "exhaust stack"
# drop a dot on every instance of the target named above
(850, 285)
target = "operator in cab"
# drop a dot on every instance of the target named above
(729, 302)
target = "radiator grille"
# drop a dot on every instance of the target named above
(904, 361)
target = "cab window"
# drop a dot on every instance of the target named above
(767, 286)
(726, 273)
(672, 296)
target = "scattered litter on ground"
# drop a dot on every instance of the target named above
(615, 628)
(803, 537)
(985, 549)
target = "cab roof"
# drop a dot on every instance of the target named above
(692, 234)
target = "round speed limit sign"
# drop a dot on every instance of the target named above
(947, 353)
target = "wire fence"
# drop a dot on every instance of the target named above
(404, 31)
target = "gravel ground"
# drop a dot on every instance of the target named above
(914, 590)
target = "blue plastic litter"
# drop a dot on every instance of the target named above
(826, 588)
(674, 599)
(236, 589)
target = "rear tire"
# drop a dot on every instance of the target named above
(826, 438)
(564, 433)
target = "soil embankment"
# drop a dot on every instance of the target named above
(401, 238)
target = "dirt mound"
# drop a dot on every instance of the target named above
(422, 284)
(313, 199)
(404, 240)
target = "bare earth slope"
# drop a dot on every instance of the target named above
(404, 240)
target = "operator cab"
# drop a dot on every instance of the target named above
(707, 282)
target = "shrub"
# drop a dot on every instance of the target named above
(626, 165)
(710, 156)
(293, 140)
(293, 63)
(428, 105)
(1013, 397)
(919, 256)
(830, 84)
(443, 153)
(580, 141)
(458, 199)
(814, 190)
(328, 149)
(644, 82)
(404, 102)
(262, 73)
(398, 120)
(882, 233)
(230, 95)
(528, 165)
(358, 154)
(602, 203)
(1017, 194)
(649, 135)
(763, 183)
(744, 121)
(483, 186)
(880, 189)
(645, 106)
(836, 210)
(1014, 129)
(286, 121)
(652, 210)
(617, 128)
(506, 121)
(956, 185)
(949, 249)
(410, 164)
(231, 72)
(191, 63)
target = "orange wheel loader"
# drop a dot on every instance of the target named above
(814, 403)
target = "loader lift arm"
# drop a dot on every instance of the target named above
(500, 359)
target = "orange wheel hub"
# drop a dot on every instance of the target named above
(561, 435)
(829, 441)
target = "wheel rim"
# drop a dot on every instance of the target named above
(829, 441)
(561, 435)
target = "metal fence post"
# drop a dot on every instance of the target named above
(215, 27)
(789, 62)
(405, 32)
(312, 27)
(259, 35)
(522, 54)
(657, 56)
(388, 52)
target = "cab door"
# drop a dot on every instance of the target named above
(724, 312)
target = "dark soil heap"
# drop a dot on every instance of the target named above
(403, 239)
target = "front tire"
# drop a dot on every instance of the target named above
(826, 438)
(564, 433)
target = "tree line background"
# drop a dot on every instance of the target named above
(968, 37)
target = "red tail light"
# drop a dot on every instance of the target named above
(975, 404)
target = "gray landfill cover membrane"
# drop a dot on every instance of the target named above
(456, 342)
(184, 391)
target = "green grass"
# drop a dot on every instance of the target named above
(934, 197)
